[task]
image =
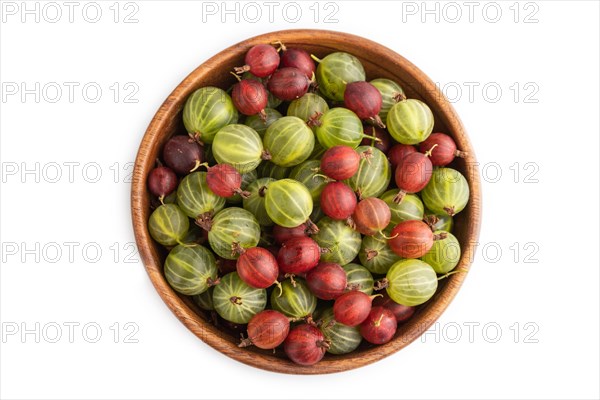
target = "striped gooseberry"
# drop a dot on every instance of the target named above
(266, 330)
(380, 326)
(190, 270)
(365, 100)
(338, 201)
(442, 149)
(206, 111)
(305, 345)
(410, 121)
(261, 61)
(236, 301)
(327, 281)
(257, 267)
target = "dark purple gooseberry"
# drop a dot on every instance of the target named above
(401, 312)
(182, 154)
(250, 97)
(338, 200)
(385, 140)
(288, 84)
(225, 181)
(397, 152)
(327, 280)
(365, 100)
(305, 345)
(379, 327)
(261, 60)
(224, 265)
(162, 181)
(300, 59)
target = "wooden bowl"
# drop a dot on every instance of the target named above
(379, 62)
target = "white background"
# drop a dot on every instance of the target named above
(546, 312)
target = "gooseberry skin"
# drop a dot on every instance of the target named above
(397, 152)
(305, 345)
(182, 154)
(385, 140)
(338, 201)
(288, 84)
(250, 97)
(411, 282)
(335, 71)
(327, 281)
(447, 192)
(162, 181)
(352, 308)
(412, 174)
(258, 267)
(411, 239)
(224, 180)
(294, 300)
(261, 60)
(400, 311)
(444, 151)
(364, 99)
(410, 121)
(300, 59)
(340, 162)
(379, 327)
(371, 215)
(168, 224)
(267, 330)
(298, 255)
(296, 198)
(282, 234)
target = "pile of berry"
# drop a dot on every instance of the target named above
(280, 213)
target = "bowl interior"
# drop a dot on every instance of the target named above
(379, 62)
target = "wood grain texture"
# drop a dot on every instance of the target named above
(379, 62)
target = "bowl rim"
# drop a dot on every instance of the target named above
(211, 335)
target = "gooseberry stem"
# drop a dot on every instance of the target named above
(315, 58)
(382, 284)
(440, 236)
(280, 44)
(371, 254)
(198, 164)
(314, 120)
(265, 155)
(428, 152)
(243, 193)
(387, 237)
(292, 280)
(399, 197)
(377, 120)
(311, 228)
(212, 282)
(398, 97)
(451, 273)
(327, 179)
